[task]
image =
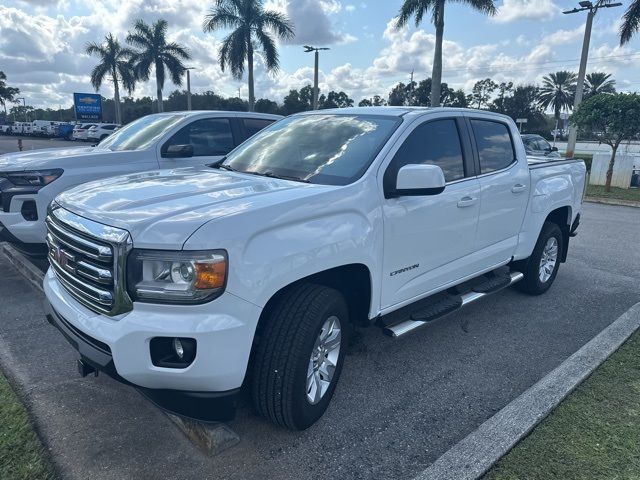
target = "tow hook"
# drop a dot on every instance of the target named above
(85, 369)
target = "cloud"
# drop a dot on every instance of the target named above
(513, 10)
(312, 20)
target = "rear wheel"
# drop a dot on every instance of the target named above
(541, 268)
(300, 355)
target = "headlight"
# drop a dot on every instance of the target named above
(36, 178)
(176, 277)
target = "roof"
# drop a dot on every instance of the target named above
(192, 113)
(398, 111)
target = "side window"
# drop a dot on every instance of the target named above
(495, 147)
(208, 137)
(435, 142)
(254, 125)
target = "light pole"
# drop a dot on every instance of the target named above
(308, 49)
(24, 105)
(189, 87)
(591, 10)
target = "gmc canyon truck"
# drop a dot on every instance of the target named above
(29, 181)
(190, 283)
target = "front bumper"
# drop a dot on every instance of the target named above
(119, 346)
(31, 249)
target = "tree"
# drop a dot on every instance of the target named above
(251, 25)
(7, 93)
(598, 82)
(557, 92)
(482, 91)
(630, 22)
(417, 9)
(335, 100)
(265, 105)
(376, 101)
(504, 89)
(115, 62)
(612, 119)
(523, 103)
(155, 53)
(298, 101)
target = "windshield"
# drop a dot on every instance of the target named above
(330, 149)
(141, 133)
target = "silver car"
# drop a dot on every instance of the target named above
(537, 146)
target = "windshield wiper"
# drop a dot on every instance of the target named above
(218, 163)
(281, 177)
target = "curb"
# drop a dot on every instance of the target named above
(612, 201)
(473, 456)
(29, 271)
(211, 438)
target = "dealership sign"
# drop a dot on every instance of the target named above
(88, 106)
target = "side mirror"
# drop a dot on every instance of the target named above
(178, 151)
(419, 180)
(554, 149)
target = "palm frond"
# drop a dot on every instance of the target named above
(415, 8)
(98, 73)
(279, 23)
(233, 52)
(630, 22)
(221, 17)
(269, 51)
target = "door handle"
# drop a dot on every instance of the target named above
(518, 188)
(467, 202)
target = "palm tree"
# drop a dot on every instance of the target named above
(7, 94)
(115, 62)
(598, 82)
(253, 27)
(418, 8)
(155, 53)
(557, 92)
(630, 22)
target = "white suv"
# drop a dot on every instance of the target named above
(81, 129)
(99, 132)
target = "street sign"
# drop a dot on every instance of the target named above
(88, 106)
(521, 120)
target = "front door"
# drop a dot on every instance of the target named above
(210, 138)
(427, 237)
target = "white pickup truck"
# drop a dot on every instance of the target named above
(29, 181)
(189, 283)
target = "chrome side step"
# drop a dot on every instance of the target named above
(404, 327)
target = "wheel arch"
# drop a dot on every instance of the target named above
(562, 217)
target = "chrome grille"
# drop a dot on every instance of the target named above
(88, 260)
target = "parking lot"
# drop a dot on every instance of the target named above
(400, 403)
(9, 143)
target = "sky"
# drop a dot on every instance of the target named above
(42, 45)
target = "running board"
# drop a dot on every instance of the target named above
(404, 327)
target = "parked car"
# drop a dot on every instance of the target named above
(30, 180)
(187, 283)
(81, 130)
(101, 131)
(64, 130)
(537, 146)
(6, 129)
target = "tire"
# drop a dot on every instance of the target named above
(283, 357)
(534, 282)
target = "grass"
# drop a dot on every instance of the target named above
(594, 434)
(22, 456)
(632, 194)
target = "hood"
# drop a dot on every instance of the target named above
(162, 208)
(45, 158)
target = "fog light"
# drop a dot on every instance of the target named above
(172, 352)
(177, 347)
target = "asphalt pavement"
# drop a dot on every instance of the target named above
(400, 403)
(9, 143)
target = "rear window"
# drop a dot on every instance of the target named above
(495, 147)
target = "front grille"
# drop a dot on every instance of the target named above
(88, 260)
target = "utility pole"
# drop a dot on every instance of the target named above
(591, 10)
(24, 106)
(189, 87)
(308, 49)
(411, 89)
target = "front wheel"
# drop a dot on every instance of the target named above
(541, 268)
(300, 355)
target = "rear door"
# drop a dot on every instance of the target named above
(252, 125)
(504, 182)
(426, 238)
(211, 139)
